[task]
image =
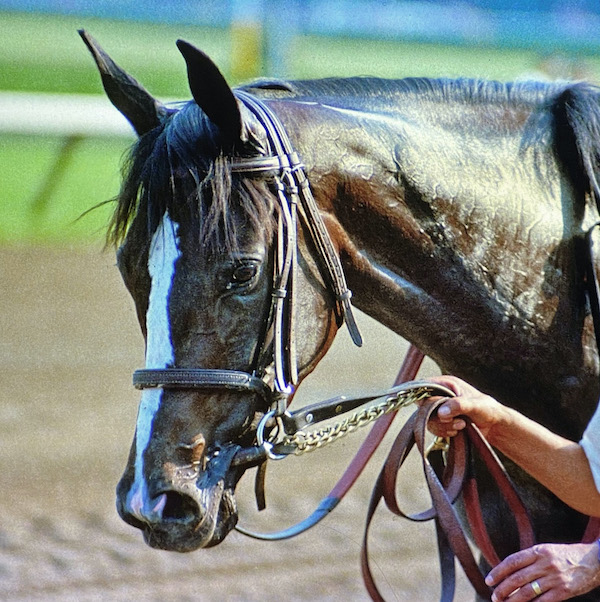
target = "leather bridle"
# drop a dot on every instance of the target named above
(294, 196)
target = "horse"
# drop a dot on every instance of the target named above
(455, 210)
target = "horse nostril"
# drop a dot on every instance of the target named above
(179, 507)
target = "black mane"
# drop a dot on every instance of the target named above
(182, 161)
(369, 90)
(573, 108)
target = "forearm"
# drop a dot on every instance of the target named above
(559, 464)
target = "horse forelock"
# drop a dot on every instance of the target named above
(180, 168)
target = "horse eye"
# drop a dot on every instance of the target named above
(243, 274)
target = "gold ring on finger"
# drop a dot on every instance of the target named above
(535, 586)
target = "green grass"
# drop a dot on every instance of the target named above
(41, 53)
(320, 57)
(93, 177)
(45, 53)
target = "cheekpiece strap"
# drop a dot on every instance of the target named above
(293, 175)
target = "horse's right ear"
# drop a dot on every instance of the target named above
(136, 104)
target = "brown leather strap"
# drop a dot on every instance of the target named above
(444, 491)
(507, 488)
(592, 531)
(385, 488)
(297, 181)
(445, 553)
(259, 486)
(408, 371)
(474, 515)
(453, 474)
(446, 514)
(200, 378)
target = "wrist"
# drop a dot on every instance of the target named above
(502, 427)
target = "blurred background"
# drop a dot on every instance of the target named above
(68, 334)
(73, 142)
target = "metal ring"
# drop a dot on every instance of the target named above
(260, 429)
(260, 439)
(439, 444)
(535, 586)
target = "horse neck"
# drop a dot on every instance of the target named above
(474, 265)
(389, 228)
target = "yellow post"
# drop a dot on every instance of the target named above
(246, 40)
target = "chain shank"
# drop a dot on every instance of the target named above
(302, 442)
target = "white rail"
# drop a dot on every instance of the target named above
(62, 115)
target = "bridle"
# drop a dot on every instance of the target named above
(294, 197)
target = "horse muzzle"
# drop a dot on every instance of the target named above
(183, 510)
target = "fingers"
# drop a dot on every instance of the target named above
(450, 409)
(448, 420)
(440, 429)
(546, 573)
(526, 592)
(455, 384)
(510, 565)
(513, 577)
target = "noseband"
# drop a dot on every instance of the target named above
(292, 191)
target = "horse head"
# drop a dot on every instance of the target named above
(197, 254)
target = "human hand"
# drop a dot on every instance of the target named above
(561, 572)
(482, 409)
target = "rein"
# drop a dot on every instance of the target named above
(446, 480)
(448, 472)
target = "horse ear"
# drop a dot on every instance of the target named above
(211, 92)
(136, 104)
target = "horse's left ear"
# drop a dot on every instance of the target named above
(212, 93)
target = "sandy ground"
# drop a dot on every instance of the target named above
(68, 344)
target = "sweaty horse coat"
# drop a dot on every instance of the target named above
(457, 208)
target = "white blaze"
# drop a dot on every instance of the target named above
(162, 257)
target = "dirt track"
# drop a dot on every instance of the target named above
(68, 344)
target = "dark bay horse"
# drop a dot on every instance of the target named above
(457, 209)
